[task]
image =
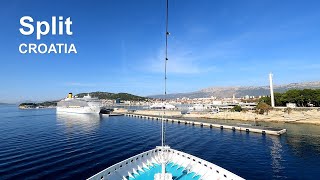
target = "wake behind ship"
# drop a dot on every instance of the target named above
(85, 105)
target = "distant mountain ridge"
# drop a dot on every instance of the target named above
(240, 91)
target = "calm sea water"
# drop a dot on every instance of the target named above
(39, 144)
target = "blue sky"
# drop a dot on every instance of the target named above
(120, 46)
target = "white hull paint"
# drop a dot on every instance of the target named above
(79, 110)
(204, 169)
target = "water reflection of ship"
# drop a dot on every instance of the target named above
(86, 122)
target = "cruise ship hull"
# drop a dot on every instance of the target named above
(79, 110)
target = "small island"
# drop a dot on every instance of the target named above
(46, 104)
(103, 96)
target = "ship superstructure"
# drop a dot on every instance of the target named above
(84, 105)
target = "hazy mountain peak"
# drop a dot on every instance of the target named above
(240, 91)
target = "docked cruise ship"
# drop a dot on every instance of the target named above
(84, 105)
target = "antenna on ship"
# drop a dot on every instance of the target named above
(164, 159)
(165, 73)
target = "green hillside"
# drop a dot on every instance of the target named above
(107, 95)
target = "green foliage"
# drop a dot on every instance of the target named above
(28, 104)
(266, 100)
(302, 98)
(107, 95)
(43, 104)
(277, 99)
(236, 108)
(262, 108)
(48, 103)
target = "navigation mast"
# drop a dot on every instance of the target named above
(165, 71)
(164, 159)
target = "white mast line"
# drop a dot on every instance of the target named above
(165, 74)
(163, 163)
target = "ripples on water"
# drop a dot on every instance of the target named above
(39, 144)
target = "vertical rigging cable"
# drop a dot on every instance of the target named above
(165, 71)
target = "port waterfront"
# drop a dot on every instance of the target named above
(308, 115)
(297, 115)
(207, 108)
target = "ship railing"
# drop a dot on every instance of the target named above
(137, 160)
(203, 168)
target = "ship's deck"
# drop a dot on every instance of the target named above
(180, 165)
(178, 173)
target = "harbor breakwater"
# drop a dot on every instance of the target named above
(246, 128)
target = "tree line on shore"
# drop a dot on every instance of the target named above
(42, 104)
(302, 98)
(108, 95)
